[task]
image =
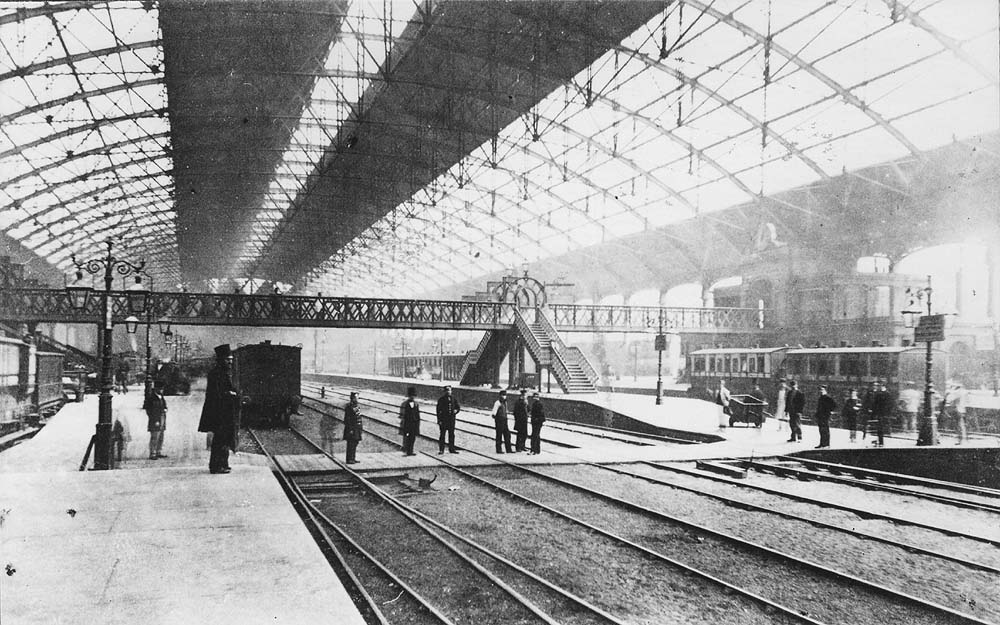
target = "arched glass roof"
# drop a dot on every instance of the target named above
(709, 105)
(84, 139)
(706, 107)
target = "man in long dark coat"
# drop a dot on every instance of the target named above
(155, 406)
(352, 428)
(447, 408)
(825, 406)
(221, 413)
(882, 405)
(795, 405)
(409, 420)
(537, 419)
(521, 420)
(500, 423)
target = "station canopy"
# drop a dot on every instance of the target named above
(399, 147)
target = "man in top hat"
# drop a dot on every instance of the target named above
(221, 413)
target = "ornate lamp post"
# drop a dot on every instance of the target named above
(138, 289)
(929, 328)
(79, 294)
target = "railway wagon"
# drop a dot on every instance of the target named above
(173, 378)
(839, 368)
(49, 394)
(269, 379)
(30, 383)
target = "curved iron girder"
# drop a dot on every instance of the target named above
(839, 89)
(654, 63)
(81, 217)
(510, 202)
(47, 9)
(946, 41)
(96, 247)
(97, 233)
(75, 215)
(88, 127)
(729, 104)
(79, 95)
(92, 152)
(81, 178)
(21, 72)
(543, 157)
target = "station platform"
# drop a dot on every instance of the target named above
(154, 541)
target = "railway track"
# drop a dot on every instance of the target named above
(908, 607)
(825, 503)
(591, 431)
(788, 466)
(448, 584)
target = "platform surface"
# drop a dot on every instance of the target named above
(156, 541)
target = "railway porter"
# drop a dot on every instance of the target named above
(221, 413)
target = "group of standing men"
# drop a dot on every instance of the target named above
(876, 407)
(523, 411)
(448, 407)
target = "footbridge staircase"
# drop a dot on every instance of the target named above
(532, 333)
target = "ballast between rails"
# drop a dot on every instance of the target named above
(416, 517)
(876, 588)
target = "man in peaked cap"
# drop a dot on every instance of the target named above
(221, 413)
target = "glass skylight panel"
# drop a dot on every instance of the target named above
(957, 119)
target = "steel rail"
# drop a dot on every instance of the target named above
(498, 557)
(740, 542)
(463, 430)
(549, 424)
(416, 518)
(864, 514)
(308, 510)
(732, 539)
(899, 478)
(811, 474)
(614, 537)
(736, 503)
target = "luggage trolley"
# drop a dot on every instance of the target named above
(746, 409)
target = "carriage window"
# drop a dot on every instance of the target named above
(824, 364)
(698, 364)
(711, 364)
(881, 365)
(744, 366)
(753, 364)
(851, 365)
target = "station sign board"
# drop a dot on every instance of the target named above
(660, 343)
(929, 329)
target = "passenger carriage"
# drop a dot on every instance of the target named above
(838, 368)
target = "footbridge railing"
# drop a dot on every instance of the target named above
(570, 318)
(53, 305)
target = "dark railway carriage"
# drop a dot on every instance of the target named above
(48, 393)
(839, 368)
(30, 383)
(269, 378)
